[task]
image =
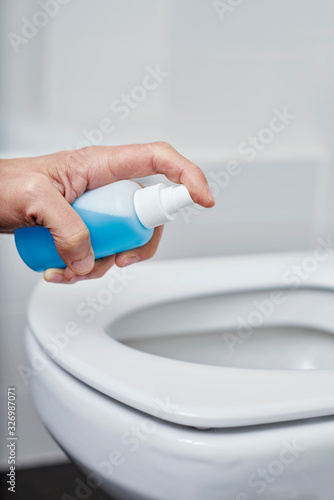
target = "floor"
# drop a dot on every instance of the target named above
(58, 482)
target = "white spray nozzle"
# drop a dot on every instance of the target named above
(158, 204)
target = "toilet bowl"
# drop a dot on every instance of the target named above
(196, 379)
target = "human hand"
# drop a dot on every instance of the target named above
(40, 191)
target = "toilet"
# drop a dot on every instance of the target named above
(192, 379)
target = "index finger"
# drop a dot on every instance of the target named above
(108, 164)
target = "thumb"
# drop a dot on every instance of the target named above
(71, 236)
(73, 242)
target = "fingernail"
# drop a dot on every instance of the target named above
(209, 194)
(53, 277)
(130, 260)
(83, 266)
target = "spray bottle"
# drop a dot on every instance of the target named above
(119, 216)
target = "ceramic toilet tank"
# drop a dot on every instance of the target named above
(191, 378)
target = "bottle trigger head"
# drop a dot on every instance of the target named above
(158, 204)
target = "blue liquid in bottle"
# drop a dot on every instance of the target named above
(112, 221)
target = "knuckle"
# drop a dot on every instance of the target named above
(35, 184)
(86, 151)
(161, 145)
(79, 160)
(98, 273)
(33, 192)
(160, 151)
(150, 251)
(75, 239)
(101, 267)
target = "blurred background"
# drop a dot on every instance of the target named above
(243, 89)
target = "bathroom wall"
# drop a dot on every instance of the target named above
(244, 90)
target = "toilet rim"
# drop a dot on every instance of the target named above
(177, 391)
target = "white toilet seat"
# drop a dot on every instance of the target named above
(193, 394)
